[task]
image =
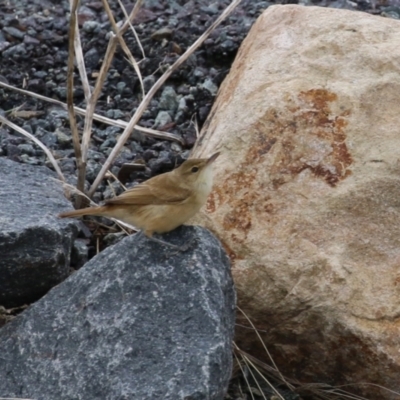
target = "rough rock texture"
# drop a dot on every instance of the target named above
(35, 245)
(136, 322)
(307, 192)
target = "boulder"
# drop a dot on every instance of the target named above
(138, 321)
(35, 245)
(306, 196)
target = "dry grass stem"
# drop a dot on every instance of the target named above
(128, 20)
(263, 378)
(116, 179)
(91, 104)
(38, 142)
(81, 167)
(71, 189)
(123, 44)
(146, 100)
(265, 348)
(241, 369)
(80, 111)
(79, 53)
(92, 99)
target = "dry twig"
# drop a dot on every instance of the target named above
(38, 142)
(146, 100)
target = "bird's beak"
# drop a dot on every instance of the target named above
(213, 158)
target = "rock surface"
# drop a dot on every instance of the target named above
(306, 194)
(35, 245)
(136, 322)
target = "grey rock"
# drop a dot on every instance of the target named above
(29, 160)
(58, 113)
(31, 40)
(148, 82)
(113, 238)
(35, 245)
(79, 254)
(91, 26)
(115, 114)
(121, 86)
(136, 322)
(63, 139)
(14, 32)
(40, 74)
(49, 139)
(162, 164)
(108, 143)
(169, 99)
(112, 190)
(210, 86)
(92, 170)
(92, 58)
(163, 118)
(16, 52)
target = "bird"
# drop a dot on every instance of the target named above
(161, 203)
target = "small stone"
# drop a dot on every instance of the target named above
(92, 58)
(14, 32)
(63, 139)
(169, 99)
(110, 142)
(148, 82)
(79, 253)
(163, 118)
(115, 114)
(91, 26)
(210, 86)
(163, 33)
(16, 52)
(149, 154)
(27, 149)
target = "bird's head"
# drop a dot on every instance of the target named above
(197, 171)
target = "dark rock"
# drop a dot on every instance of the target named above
(14, 32)
(16, 52)
(136, 322)
(92, 58)
(79, 254)
(35, 245)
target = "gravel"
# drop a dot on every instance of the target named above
(34, 52)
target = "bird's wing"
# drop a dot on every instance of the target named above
(164, 192)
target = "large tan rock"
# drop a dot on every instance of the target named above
(307, 192)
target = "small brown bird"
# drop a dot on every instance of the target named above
(161, 203)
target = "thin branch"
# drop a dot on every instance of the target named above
(70, 100)
(123, 44)
(91, 104)
(138, 3)
(38, 142)
(146, 100)
(80, 60)
(113, 122)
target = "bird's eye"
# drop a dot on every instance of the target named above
(195, 169)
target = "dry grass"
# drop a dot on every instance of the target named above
(75, 57)
(258, 375)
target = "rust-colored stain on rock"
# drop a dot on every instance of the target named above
(306, 135)
(311, 138)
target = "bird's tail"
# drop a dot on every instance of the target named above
(81, 212)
